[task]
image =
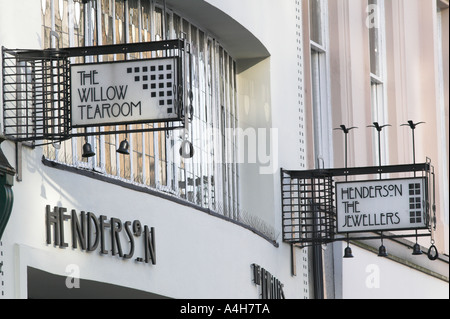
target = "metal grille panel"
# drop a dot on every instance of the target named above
(35, 97)
(36, 90)
(308, 209)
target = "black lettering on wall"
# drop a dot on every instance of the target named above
(89, 232)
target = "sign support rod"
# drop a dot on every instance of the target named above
(413, 126)
(346, 130)
(379, 129)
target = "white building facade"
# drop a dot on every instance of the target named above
(269, 81)
(383, 62)
(167, 226)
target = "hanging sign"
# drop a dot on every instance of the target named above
(137, 91)
(391, 204)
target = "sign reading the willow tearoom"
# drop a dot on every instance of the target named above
(113, 93)
(391, 204)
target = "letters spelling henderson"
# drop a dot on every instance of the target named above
(379, 191)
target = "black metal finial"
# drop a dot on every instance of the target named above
(378, 126)
(345, 129)
(412, 125)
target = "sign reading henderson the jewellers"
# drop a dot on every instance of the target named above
(111, 93)
(391, 204)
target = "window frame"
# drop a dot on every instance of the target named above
(320, 87)
(378, 88)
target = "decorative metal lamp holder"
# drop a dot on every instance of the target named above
(309, 212)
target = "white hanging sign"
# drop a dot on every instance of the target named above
(111, 93)
(378, 205)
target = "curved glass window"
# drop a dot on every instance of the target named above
(210, 179)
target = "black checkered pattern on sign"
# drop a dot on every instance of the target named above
(415, 203)
(158, 81)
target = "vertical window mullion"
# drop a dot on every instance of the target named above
(234, 139)
(223, 118)
(377, 75)
(219, 146)
(156, 135)
(99, 26)
(196, 121)
(116, 26)
(318, 14)
(317, 101)
(144, 157)
(172, 178)
(102, 145)
(210, 116)
(130, 137)
(227, 106)
(72, 15)
(80, 17)
(53, 44)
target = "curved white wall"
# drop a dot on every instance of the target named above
(198, 255)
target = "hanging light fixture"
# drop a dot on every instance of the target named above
(123, 147)
(382, 250)
(348, 252)
(416, 249)
(186, 149)
(87, 150)
(433, 253)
